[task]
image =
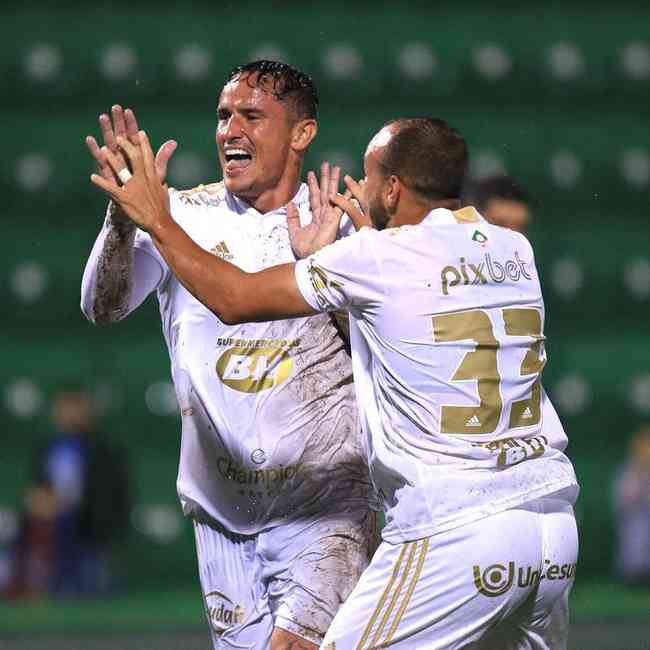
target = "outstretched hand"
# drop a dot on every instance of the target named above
(354, 203)
(327, 207)
(123, 124)
(325, 216)
(143, 197)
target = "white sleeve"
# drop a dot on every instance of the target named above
(343, 275)
(149, 273)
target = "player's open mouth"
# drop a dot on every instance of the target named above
(237, 160)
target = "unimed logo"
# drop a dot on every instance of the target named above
(496, 579)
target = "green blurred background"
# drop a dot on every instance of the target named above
(554, 93)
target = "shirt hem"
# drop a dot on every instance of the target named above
(430, 530)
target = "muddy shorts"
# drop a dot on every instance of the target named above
(294, 576)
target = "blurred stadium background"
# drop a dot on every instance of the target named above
(554, 93)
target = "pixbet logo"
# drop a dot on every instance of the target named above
(488, 270)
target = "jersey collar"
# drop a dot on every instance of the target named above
(442, 216)
(241, 207)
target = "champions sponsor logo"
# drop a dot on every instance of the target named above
(496, 579)
(487, 271)
(222, 612)
(272, 477)
(255, 365)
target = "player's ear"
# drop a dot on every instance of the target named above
(302, 134)
(393, 191)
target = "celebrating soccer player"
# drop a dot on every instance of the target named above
(447, 334)
(271, 468)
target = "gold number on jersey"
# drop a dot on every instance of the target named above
(527, 322)
(479, 364)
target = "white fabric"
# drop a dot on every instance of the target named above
(270, 428)
(294, 577)
(429, 311)
(499, 583)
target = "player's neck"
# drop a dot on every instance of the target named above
(279, 195)
(411, 211)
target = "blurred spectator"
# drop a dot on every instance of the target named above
(34, 555)
(633, 511)
(501, 200)
(78, 505)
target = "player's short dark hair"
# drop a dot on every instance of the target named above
(478, 192)
(428, 155)
(284, 81)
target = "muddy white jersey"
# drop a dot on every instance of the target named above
(269, 421)
(447, 323)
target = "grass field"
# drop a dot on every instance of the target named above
(606, 616)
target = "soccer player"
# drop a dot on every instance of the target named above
(447, 336)
(271, 467)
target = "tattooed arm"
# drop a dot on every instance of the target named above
(121, 271)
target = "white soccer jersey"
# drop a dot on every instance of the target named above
(447, 349)
(269, 422)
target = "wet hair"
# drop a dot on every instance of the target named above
(428, 155)
(479, 192)
(286, 83)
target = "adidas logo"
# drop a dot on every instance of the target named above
(473, 422)
(221, 250)
(527, 413)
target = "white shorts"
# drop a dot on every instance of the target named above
(294, 577)
(501, 582)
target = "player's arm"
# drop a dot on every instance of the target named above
(233, 295)
(118, 276)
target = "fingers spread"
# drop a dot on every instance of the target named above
(334, 182)
(132, 152)
(314, 195)
(324, 183)
(105, 185)
(163, 156)
(147, 154)
(94, 149)
(115, 162)
(131, 125)
(293, 218)
(119, 125)
(106, 127)
(359, 219)
(355, 188)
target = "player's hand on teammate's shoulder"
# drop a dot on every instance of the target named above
(124, 124)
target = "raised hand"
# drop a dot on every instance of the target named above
(326, 216)
(143, 197)
(354, 203)
(123, 124)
